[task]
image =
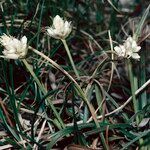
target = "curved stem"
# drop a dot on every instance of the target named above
(71, 78)
(70, 58)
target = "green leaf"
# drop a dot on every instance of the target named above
(14, 134)
(57, 136)
(136, 139)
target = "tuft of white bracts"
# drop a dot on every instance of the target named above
(13, 48)
(60, 28)
(129, 49)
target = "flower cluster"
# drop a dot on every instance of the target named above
(13, 48)
(128, 49)
(60, 28)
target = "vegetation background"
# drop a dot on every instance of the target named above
(27, 120)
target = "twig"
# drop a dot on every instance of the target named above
(128, 100)
(40, 133)
(119, 108)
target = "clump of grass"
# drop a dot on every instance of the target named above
(91, 100)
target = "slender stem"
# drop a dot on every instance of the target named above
(79, 90)
(135, 103)
(70, 77)
(133, 90)
(70, 58)
(44, 91)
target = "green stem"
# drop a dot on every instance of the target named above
(44, 91)
(79, 90)
(70, 58)
(133, 90)
(135, 103)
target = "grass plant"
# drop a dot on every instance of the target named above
(46, 103)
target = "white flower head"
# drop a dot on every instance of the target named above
(60, 28)
(13, 48)
(128, 49)
(132, 48)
